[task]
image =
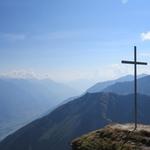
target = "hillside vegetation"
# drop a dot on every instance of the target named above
(115, 137)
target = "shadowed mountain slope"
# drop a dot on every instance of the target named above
(87, 113)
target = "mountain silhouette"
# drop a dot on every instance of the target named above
(101, 86)
(128, 87)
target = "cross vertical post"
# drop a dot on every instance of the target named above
(135, 83)
(135, 86)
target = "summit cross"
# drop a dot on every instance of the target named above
(135, 63)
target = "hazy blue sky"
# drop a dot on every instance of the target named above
(73, 39)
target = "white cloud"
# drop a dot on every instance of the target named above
(108, 72)
(124, 1)
(20, 74)
(115, 71)
(145, 36)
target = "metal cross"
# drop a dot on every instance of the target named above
(135, 63)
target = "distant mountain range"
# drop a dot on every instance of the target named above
(89, 112)
(83, 114)
(101, 86)
(128, 87)
(22, 100)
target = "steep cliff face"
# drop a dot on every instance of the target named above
(115, 137)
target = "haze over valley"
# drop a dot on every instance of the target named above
(65, 71)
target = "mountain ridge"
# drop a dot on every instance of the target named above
(101, 86)
(75, 118)
(128, 87)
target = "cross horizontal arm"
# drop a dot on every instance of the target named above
(133, 62)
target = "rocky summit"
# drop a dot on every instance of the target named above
(115, 137)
